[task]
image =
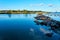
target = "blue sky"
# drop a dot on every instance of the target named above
(43, 5)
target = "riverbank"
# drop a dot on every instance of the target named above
(19, 12)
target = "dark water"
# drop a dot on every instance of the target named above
(23, 27)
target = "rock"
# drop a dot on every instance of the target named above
(49, 34)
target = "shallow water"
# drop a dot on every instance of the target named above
(23, 27)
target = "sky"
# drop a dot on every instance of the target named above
(43, 5)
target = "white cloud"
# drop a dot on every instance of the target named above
(50, 5)
(41, 4)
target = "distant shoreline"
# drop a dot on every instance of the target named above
(18, 12)
(21, 12)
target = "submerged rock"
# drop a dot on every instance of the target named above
(47, 21)
(49, 34)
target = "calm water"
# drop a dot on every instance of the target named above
(23, 27)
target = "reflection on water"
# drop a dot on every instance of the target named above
(9, 15)
(55, 16)
(23, 27)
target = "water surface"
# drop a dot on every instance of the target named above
(23, 27)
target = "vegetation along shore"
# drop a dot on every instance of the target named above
(18, 12)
